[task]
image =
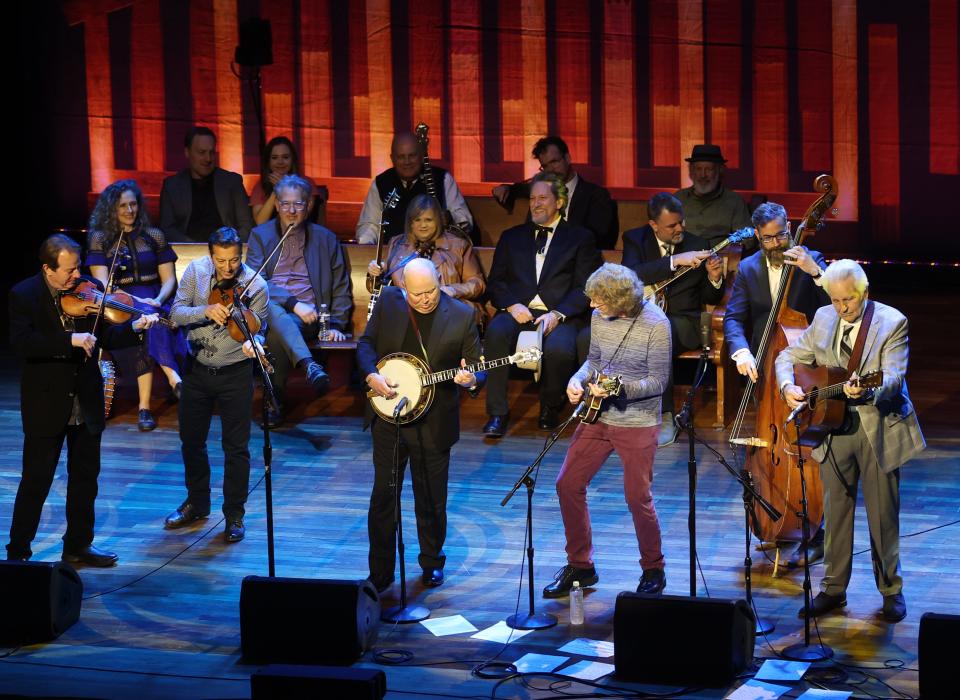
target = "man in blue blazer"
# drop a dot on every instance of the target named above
(310, 270)
(537, 278)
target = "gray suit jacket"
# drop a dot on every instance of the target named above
(890, 421)
(176, 203)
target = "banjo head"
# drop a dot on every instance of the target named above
(406, 371)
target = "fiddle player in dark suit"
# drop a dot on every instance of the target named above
(880, 435)
(537, 277)
(422, 321)
(754, 290)
(656, 252)
(61, 398)
(589, 205)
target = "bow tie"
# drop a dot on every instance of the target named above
(541, 240)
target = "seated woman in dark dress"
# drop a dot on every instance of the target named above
(145, 271)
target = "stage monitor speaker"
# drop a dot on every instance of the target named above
(307, 621)
(937, 656)
(39, 601)
(676, 640)
(288, 681)
(256, 43)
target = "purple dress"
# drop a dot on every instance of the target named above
(138, 274)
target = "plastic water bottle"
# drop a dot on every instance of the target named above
(576, 604)
(323, 319)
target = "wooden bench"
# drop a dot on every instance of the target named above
(358, 257)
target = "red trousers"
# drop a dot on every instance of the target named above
(592, 444)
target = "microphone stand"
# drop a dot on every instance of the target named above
(402, 613)
(805, 651)
(269, 399)
(684, 420)
(533, 620)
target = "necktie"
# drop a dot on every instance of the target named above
(845, 349)
(541, 241)
(667, 250)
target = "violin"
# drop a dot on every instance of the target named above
(227, 292)
(86, 298)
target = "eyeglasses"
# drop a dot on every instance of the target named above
(292, 206)
(780, 236)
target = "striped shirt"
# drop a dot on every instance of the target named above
(210, 343)
(643, 360)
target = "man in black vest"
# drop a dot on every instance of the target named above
(61, 399)
(408, 177)
(589, 205)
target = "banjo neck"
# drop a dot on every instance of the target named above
(448, 374)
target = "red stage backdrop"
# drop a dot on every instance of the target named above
(867, 91)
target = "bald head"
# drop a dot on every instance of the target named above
(405, 155)
(421, 279)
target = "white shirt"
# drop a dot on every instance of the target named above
(368, 224)
(537, 302)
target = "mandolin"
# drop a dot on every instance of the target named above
(613, 385)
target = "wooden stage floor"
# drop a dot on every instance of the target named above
(165, 622)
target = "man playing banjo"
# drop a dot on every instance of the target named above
(421, 321)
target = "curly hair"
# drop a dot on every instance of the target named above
(616, 287)
(104, 215)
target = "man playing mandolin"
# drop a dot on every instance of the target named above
(879, 435)
(441, 331)
(627, 368)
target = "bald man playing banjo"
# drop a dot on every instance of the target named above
(435, 333)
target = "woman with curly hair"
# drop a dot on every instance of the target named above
(145, 270)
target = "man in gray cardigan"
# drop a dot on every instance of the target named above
(880, 435)
(306, 273)
(201, 198)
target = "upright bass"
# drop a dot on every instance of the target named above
(771, 459)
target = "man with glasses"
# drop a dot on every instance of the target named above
(307, 272)
(656, 252)
(407, 177)
(755, 289)
(203, 197)
(589, 205)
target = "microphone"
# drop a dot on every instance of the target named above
(795, 412)
(579, 410)
(706, 319)
(400, 406)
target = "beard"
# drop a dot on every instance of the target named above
(703, 188)
(774, 257)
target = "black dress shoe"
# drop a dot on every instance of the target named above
(564, 578)
(824, 603)
(432, 578)
(549, 418)
(93, 556)
(235, 530)
(381, 583)
(177, 390)
(497, 426)
(652, 582)
(894, 607)
(814, 547)
(18, 557)
(317, 377)
(145, 420)
(184, 515)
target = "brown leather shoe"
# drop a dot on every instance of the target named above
(824, 603)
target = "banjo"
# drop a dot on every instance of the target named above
(415, 382)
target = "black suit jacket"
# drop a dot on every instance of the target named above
(686, 296)
(176, 204)
(53, 369)
(571, 259)
(453, 335)
(750, 300)
(591, 207)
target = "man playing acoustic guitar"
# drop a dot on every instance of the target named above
(629, 340)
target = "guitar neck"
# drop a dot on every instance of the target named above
(448, 374)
